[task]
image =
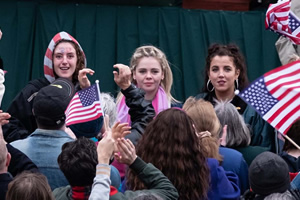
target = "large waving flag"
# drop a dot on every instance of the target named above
(282, 20)
(85, 106)
(276, 96)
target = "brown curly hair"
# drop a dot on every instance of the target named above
(170, 144)
(230, 50)
(80, 58)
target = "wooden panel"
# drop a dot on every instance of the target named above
(238, 5)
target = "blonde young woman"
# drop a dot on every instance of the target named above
(150, 72)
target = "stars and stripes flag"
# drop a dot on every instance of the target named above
(276, 96)
(282, 20)
(85, 106)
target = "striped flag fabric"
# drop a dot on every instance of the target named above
(276, 96)
(85, 106)
(281, 19)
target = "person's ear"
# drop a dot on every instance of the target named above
(237, 73)
(134, 75)
(222, 140)
(8, 158)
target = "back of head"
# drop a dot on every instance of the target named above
(78, 161)
(269, 173)
(238, 133)
(109, 106)
(51, 102)
(293, 133)
(170, 144)
(205, 119)
(3, 155)
(29, 186)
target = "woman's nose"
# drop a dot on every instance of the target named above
(148, 75)
(64, 59)
(221, 73)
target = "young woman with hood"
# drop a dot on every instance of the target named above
(64, 58)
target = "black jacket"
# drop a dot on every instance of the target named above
(22, 122)
(141, 111)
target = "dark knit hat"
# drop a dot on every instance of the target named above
(269, 173)
(51, 102)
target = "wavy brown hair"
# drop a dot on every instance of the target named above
(170, 144)
(80, 58)
(205, 119)
(230, 50)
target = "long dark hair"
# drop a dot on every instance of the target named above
(170, 144)
(230, 50)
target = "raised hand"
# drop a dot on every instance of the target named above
(123, 77)
(126, 152)
(120, 130)
(83, 79)
(105, 148)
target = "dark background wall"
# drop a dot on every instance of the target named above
(110, 33)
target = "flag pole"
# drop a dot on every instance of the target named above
(98, 89)
(291, 141)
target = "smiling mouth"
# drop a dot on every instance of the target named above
(64, 68)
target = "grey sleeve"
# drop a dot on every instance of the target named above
(285, 49)
(101, 185)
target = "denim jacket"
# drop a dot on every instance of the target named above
(43, 147)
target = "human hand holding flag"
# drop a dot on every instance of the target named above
(85, 106)
(276, 96)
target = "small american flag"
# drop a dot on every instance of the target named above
(85, 106)
(282, 20)
(276, 96)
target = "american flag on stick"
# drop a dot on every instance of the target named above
(85, 106)
(276, 96)
(282, 20)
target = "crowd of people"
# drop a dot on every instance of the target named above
(147, 145)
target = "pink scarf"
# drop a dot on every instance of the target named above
(160, 103)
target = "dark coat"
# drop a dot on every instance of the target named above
(262, 133)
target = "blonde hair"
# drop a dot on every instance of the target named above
(205, 119)
(152, 51)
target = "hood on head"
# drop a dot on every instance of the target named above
(48, 64)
